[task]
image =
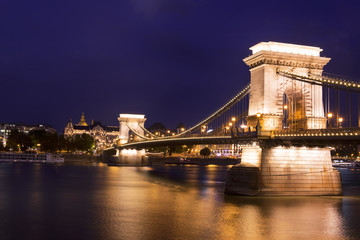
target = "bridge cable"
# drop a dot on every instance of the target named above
(220, 111)
(136, 133)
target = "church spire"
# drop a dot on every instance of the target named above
(82, 120)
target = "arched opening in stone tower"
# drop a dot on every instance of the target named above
(294, 107)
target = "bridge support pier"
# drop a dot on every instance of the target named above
(128, 157)
(132, 157)
(301, 171)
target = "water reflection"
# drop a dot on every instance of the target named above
(288, 218)
(165, 209)
(164, 202)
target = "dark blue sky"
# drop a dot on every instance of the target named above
(173, 60)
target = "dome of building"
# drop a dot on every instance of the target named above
(82, 120)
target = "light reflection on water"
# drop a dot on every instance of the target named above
(163, 202)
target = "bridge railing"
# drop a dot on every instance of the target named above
(319, 132)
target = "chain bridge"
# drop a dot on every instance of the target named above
(285, 122)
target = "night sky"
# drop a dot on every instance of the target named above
(172, 60)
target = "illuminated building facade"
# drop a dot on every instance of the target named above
(104, 136)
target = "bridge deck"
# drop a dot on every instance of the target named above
(313, 137)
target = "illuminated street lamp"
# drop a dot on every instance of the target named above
(258, 127)
(233, 119)
(329, 116)
(340, 121)
(230, 124)
(285, 115)
(168, 131)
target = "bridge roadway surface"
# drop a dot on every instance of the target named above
(313, 137)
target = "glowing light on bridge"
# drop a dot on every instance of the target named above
(286, 48)
(139, 116)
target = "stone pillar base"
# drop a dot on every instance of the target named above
(290, 171)
(127, 157)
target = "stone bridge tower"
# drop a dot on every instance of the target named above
(271, 92)
(130, 122)
(268, 169)
(128, 157)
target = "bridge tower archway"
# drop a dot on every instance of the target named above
(268, 87)
(129, 123)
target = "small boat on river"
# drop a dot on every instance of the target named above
(30, 157)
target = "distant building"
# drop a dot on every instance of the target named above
(7, 128)
(104, 136)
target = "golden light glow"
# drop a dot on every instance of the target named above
(341, 119)
(139, 116)
(233, 119)
(227, 127)
(168, 131)
(173, 134)
(230, 124)
(156, 133)
(329, 115)
(258, 115)
(285, 107)
(286, 48)
(182, 129)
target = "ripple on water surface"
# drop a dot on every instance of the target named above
(164, 202)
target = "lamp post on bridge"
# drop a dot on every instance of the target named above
(285, 115)
(329, 116)
(340, 122)
(258, 126)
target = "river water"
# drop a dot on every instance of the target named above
(94, 201)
